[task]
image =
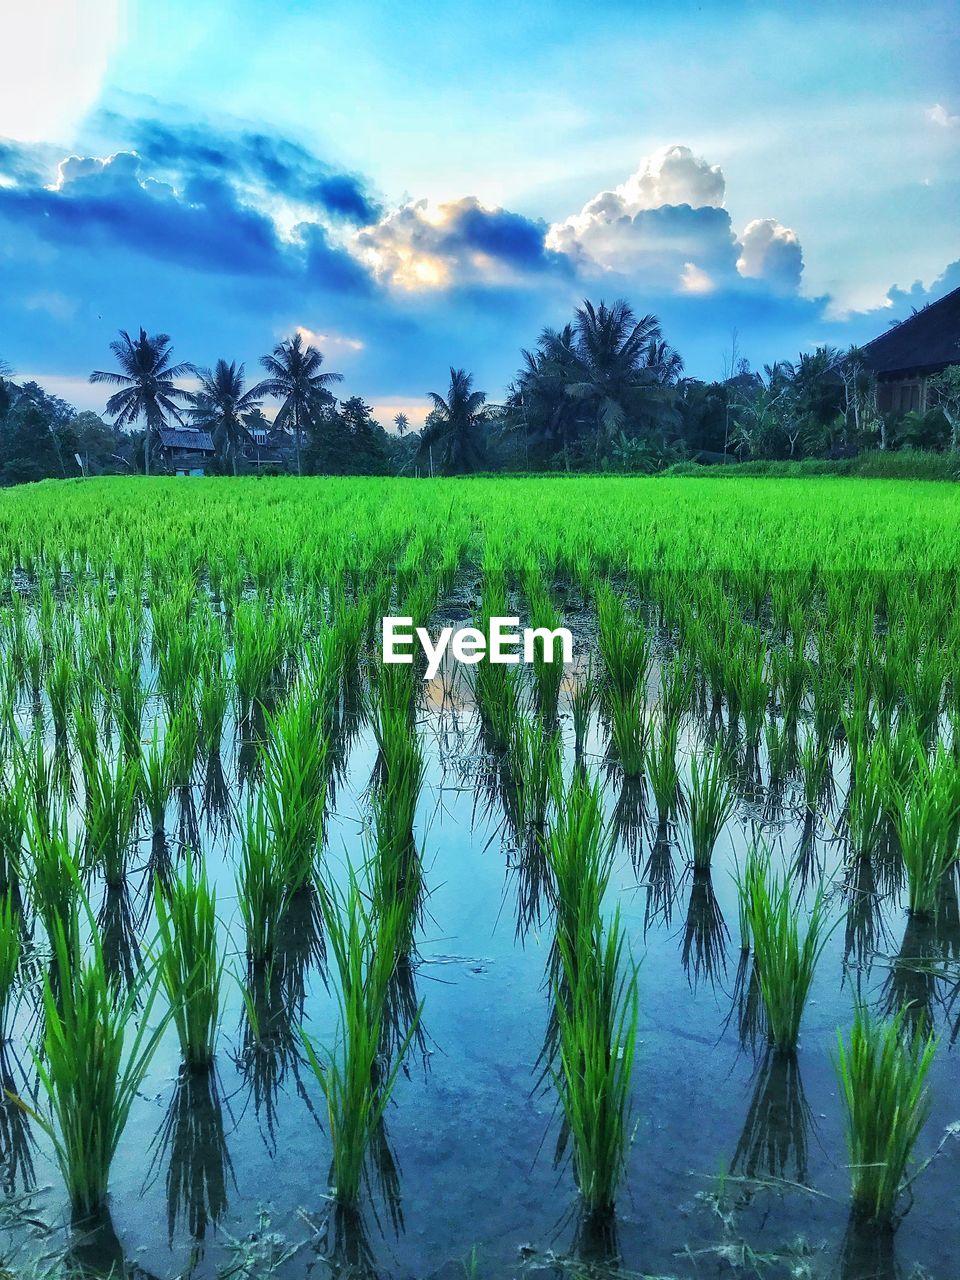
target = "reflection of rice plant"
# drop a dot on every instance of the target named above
(785, 962)
(709, 803)
(96, 1052)
(189, 961)
(364, 946)
(882, 1074)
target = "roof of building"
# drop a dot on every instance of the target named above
(927, 340)
(186, 438)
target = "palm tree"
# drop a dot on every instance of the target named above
(219, 404)
(402, 423)
(295, 378)
(665, 362)
(610, 373)
(147, 384)
(455, 425)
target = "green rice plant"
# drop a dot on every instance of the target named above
(14, 808)
(628, 729)
(54, 868)
(397, 873)
(624, 645)
(883, 1077)
(294, 788)
(10, 952)
(597, 1012)
(532, 756)
(579, 849)
(91, 1066)
(355, 1085)
(584, 698)
(262, 892)
(156, 780)
(180, 745)
(663, 769)
(785, 961)
(189, 961)
(866, 800)
(814, 760)
(131, 703)
(709, 802)
(110, 818)
(213, 698)
(926, 824)
(61, 683)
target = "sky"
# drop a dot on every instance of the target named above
(422, 186)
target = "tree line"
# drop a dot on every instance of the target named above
(604, 393)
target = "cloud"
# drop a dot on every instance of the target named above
(770, 251)
(423, 246)
(271, 165)
(665, 228)
(939, 115)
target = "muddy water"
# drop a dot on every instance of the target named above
(737, 1165)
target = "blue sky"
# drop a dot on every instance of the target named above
(425, 185)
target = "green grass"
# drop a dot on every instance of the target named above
(189, 960)
(882, 1075)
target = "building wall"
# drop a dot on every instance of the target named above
(902, 395)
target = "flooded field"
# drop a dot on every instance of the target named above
(221, 806)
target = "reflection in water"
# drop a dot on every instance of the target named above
(193, 1141)
(864, 928)
(96, 1253)
(629, 815)
(659, 876)
(118, 935)
(916, 979)
(216, 806)
(705, 933)
(747, 1004)
(345, 1247)
(773, 1142)
(16, 1139)
(868, 1253)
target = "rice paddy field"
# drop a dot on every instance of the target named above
(646, 965)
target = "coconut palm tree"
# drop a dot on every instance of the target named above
(610, 373)
(453, 434)
(294, 377)
(402, 423)
(147, 386)
(219, 404)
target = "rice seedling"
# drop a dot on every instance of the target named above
(883, 1078)
(532, 756)
(663, 770)
(709, 802)
(628, 730)
(156, 780)
(111, 817)
(785, 960)
(926, 818)
(262, 891)
(189, 961)
(584, 699)
(356, 1089)
(97, 1049)
(10, 952)
(397, 875)
(294, 789)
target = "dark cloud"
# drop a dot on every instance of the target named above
(280, 165)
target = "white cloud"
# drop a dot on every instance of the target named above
(938, 114)
(665, 227)
(330, 341)
(770, 251)
(56, 56)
